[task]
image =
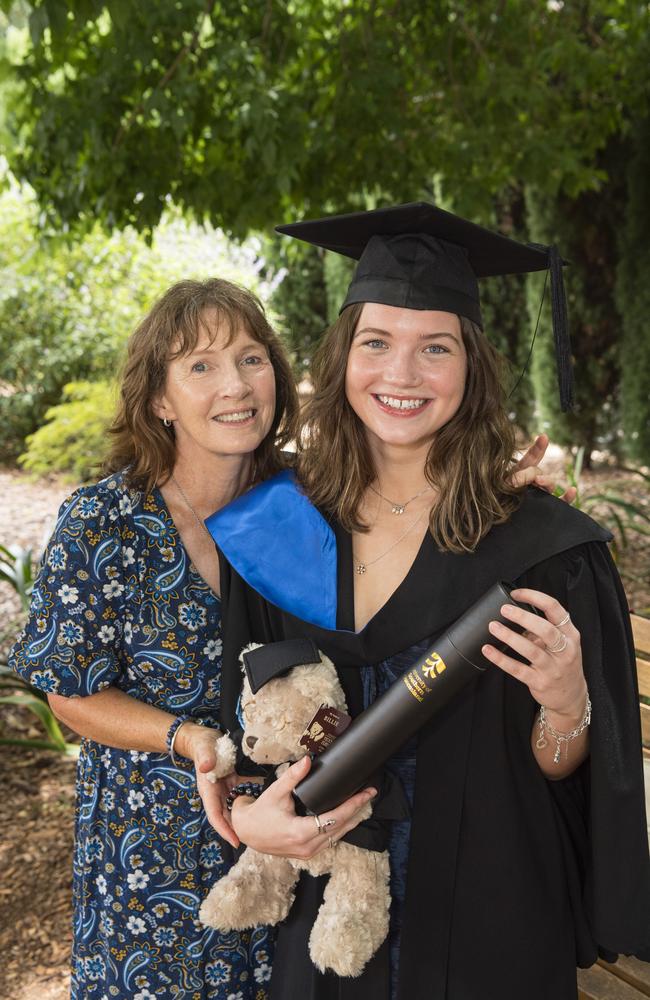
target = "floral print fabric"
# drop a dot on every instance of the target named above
(118, 602)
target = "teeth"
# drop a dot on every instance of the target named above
(401, 404)
(234, 418)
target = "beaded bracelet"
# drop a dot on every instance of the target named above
(171, 736)
(251, 788)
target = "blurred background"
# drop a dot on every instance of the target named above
(146, 142)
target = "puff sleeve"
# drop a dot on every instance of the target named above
(71, 643)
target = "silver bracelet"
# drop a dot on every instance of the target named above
(560, 738)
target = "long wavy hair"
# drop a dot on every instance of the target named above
(468, 464)
(141, 444)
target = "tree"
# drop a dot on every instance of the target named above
(247, 112)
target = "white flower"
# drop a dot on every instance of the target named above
(213, 648)
(262, 973)
(106, 633)
(128, 631)
(58, 557)
(125, 505)
(128, 556)
(192, 615)
(144, 995)
(70, 634)
(137, 755)
(100, 882)
(135, 800)
(112, 589)
(137, 879)
(136, 925)
(68, 595)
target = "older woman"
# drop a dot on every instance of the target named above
(124, 635)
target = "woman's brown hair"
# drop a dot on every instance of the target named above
(469, 462)
(141, 444)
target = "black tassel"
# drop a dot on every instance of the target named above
(561, 330)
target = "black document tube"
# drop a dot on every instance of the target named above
(452, 662)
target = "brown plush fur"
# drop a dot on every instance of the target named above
(353, 919)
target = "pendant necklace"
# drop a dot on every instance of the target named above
(196, 516)
(399, 508)
(361, 567)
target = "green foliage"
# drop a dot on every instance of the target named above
(23, 696)
(248, 112)
(18, 570)
(625, 519)
(299, 298)
(66, 309)
(73, 439)
(633, 299)
(505, 312)
(585, 229)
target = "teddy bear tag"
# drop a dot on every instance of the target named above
(326, 725)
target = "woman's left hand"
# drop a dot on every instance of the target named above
(551, 645)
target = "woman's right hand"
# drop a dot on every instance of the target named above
(270, 825)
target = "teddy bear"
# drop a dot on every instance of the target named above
(352, 922)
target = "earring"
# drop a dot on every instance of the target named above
(167, 422)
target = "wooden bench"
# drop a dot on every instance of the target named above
(628, 979)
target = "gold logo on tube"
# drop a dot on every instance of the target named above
(416, 684)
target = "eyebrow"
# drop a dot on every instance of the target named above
(213, 349)
(421, 336)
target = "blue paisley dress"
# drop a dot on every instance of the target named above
(118, 602)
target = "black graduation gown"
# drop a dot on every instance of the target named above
(513, 879)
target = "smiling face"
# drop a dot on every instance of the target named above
(405, 375)
(220, 396)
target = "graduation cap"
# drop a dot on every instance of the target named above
(418, 256)
(275, 659)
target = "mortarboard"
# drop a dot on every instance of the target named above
(418, 256)
(275, 659)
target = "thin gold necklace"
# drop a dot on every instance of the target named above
(361, 567)
(399, 508)
(182, 493)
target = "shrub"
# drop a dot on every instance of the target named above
(73, 439)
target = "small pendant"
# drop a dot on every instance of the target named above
(556, 755)
(541, 743)
(360, 568)
(398, 508)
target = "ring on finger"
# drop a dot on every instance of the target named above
(328, 822)
(567, 618)
(331, 842)
(559, 645)
(318, 823)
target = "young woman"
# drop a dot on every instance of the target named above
(526, 852)
(125, 637)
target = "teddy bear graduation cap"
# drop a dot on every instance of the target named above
(418, 256)
(265, 663)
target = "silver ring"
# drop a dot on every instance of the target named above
(559, 645)
(330, 842)
(567, 618)
(328, 822)
(318, 823)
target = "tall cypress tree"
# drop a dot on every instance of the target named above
(633, 299)
(585, 229)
